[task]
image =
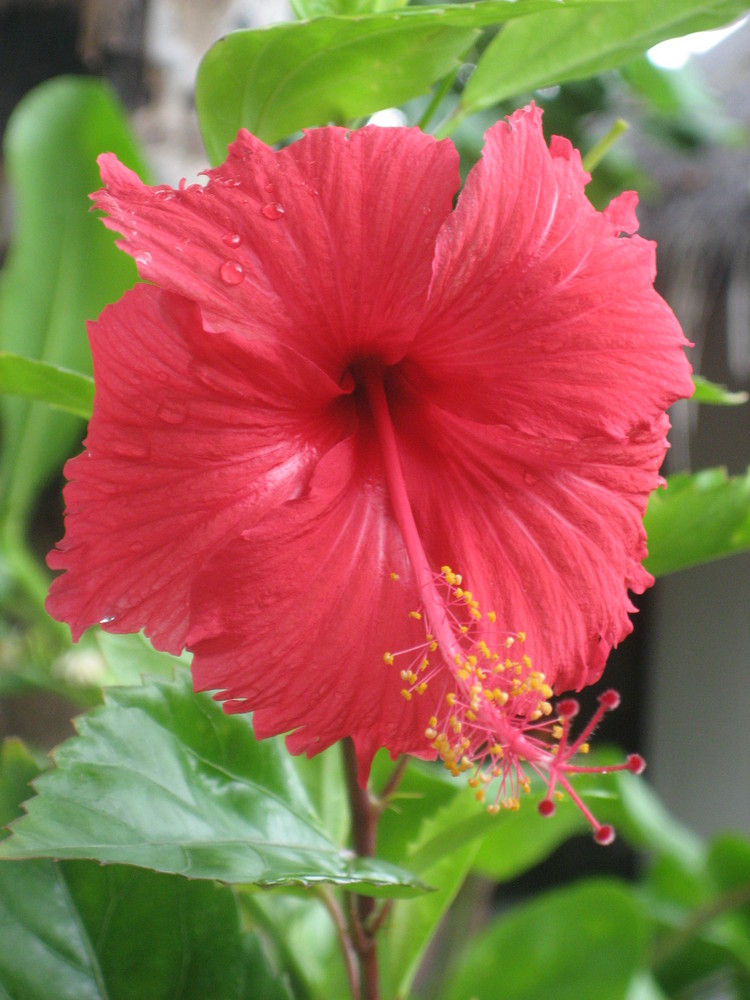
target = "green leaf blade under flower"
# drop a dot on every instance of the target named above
(115, 933)
(161, 778)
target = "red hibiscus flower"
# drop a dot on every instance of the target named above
(379, 463)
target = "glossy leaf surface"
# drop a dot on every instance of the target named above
(570, 44)
(697, 518)
(330, 70)
(161, 778)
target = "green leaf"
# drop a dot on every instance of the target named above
(51, 384)
(570, 44)
(697, 518)
(277, 80)
(322, 8)
(161, 778)
(62, 268)
(116, 933)
(582, 941)
(716, 395)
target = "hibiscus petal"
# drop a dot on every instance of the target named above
(193, 437)
(326, 245)
(541, 316)
(293, 619)
(547, 533)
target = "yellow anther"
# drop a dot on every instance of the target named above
(480, 795)
(394, 576)
(477, 615)
(458, 592)
(471, 716)
(416, 615)
(433, 720)
(492, 616)
(526, 786)
(521, 636)
(557, 732)
(406, 694)
(546, 708)
(509, 642)
(421, 688)
(547, 691)
(451, 698)
(493, 809)
(463, 629)
(536, 714)
(584, 748)
(433, 646)
(388, 657)
(559, 796)
(430, 733)
(473, 783)
(496, 750)
(501, 697)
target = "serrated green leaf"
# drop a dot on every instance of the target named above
(698, 517)
(569, 44)
(161, 778)
(582, 941)
(62, 268)
(78, 931)
(716, 395)
(58, 387)
(277, 80)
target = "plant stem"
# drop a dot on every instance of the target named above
(364, 816)
(347, 946)
(669, 944)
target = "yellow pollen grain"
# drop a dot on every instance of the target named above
(388, 657)
(430, 733)
(492, 616)
(416, 615)
(394, 576)
(584, 748)
(421, 688)
(493, 809)
(406, 694)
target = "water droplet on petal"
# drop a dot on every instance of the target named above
(130, 448)
(231, 272)
(142, 257)
(172, 413)
(269, 187)
(273, 210)
(106, 620)
(231, 239)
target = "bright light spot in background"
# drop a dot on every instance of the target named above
(388, 118)
(675, 52)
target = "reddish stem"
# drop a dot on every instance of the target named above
(364, 815)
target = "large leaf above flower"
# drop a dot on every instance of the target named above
(161, 778)
(274, 81)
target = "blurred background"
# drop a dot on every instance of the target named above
(684, 672)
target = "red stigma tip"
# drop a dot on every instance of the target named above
(605, 835)
(635, 763)
(568, 708)
(546, 807)
(609, 700)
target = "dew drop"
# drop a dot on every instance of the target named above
(231, 272)
(142, 257)
(106, 620)
(273, 211)
(136, 449)
(173, 413)
(270, 188)
(231, 239)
